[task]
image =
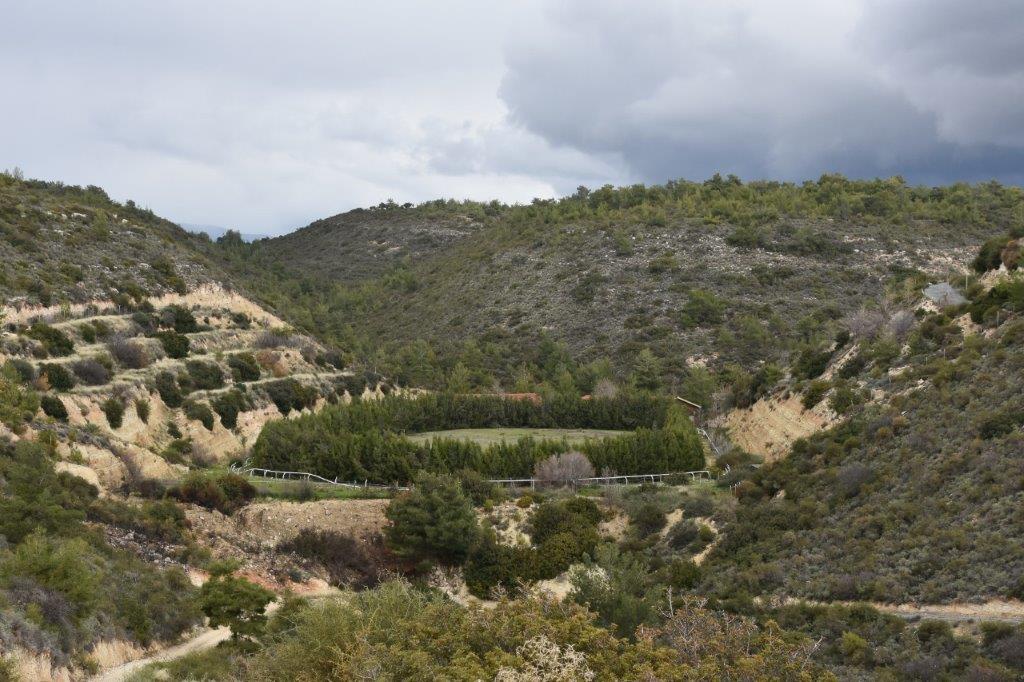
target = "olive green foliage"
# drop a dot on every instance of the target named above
(174, 344)
(229, 405)
(243, 367)
(200, 412)
(289, 394)
(57, 377)
(18, 403)
(53, 407)
(225, 492)
(113, 408)
(54, 340)
(403, 633)
(875, 507)
(360, 440)
(179, 318)
(434, 520)
(142, 409)
(234, 602)
(562, 532)
(619, 589)
(57, 579)
(205, 375)
(349, 563)
(167, 386)
(437, 303)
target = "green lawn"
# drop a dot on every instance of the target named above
(318, 491)
(487, 437)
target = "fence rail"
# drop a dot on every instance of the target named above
(259, 472)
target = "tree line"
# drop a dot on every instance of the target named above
(364, 440)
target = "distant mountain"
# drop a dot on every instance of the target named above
(215, 231)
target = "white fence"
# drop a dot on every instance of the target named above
(258, 472)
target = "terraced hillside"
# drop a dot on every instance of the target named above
(138, 395)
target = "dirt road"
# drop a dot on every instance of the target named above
(207, 639)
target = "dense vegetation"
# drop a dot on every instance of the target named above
(62, 588)
(364, 440)
(914, 498)
(732, 272)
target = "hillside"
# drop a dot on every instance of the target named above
(67, 244)
(714, 273)
(915, 494)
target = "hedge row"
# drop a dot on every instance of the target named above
(321, 444)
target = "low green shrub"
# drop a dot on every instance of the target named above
(114, 409)
(57, 377)
(205, 375)
(53, 407)
(224, 492)
(200, 412)
(244, 367)
(174, 344)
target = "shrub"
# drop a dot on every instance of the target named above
(205, 375)
(130, 354)
(55, 341)
(476, 487)
(811, 363)
(698, 505)
(814, 394)
(289, 394)
(434, 520)
(114, 409)
(349, 564)
(88, 333)
(243, 367)
(648, 519)
(525, 502)
(57, 377)
(142, 410)
(175, 345)
(178, 318)
(225, 492)
(22, 369)
(228, 405)
(167, 387)
(564, 468)
(200, 412)
(683, 574)
(682, 534)
(578, 516)
(53, 407)
(91, 372)
(235, 602)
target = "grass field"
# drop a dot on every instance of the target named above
(487, 437)
(298, 490)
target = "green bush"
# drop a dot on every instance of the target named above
(53, 407)
(114, 409)
(225, 492)
(167, 386)
(22, 369)
(289, 394)
(57, 377)
(814, 394)
(434, 520)
(174, 344)
(142, 409)
(648, 519)
(228, 405)
(200, 412)
(244, 367)
(205, 375)
(179, 318)
(234, 602)
(55, 341)
(349, 563)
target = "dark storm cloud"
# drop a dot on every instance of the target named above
(928, 90)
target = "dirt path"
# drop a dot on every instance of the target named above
(207, 639)
(997, 610)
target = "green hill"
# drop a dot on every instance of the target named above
(719, 271)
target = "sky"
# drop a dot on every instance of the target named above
(264, 116)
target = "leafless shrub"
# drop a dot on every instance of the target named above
(91, 372)
(568, 466)
(606, 388)
(203, 455)
(866, 323)
(129, 353)
(275, 338)
(900, 324)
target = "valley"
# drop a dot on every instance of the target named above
(861, 518)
